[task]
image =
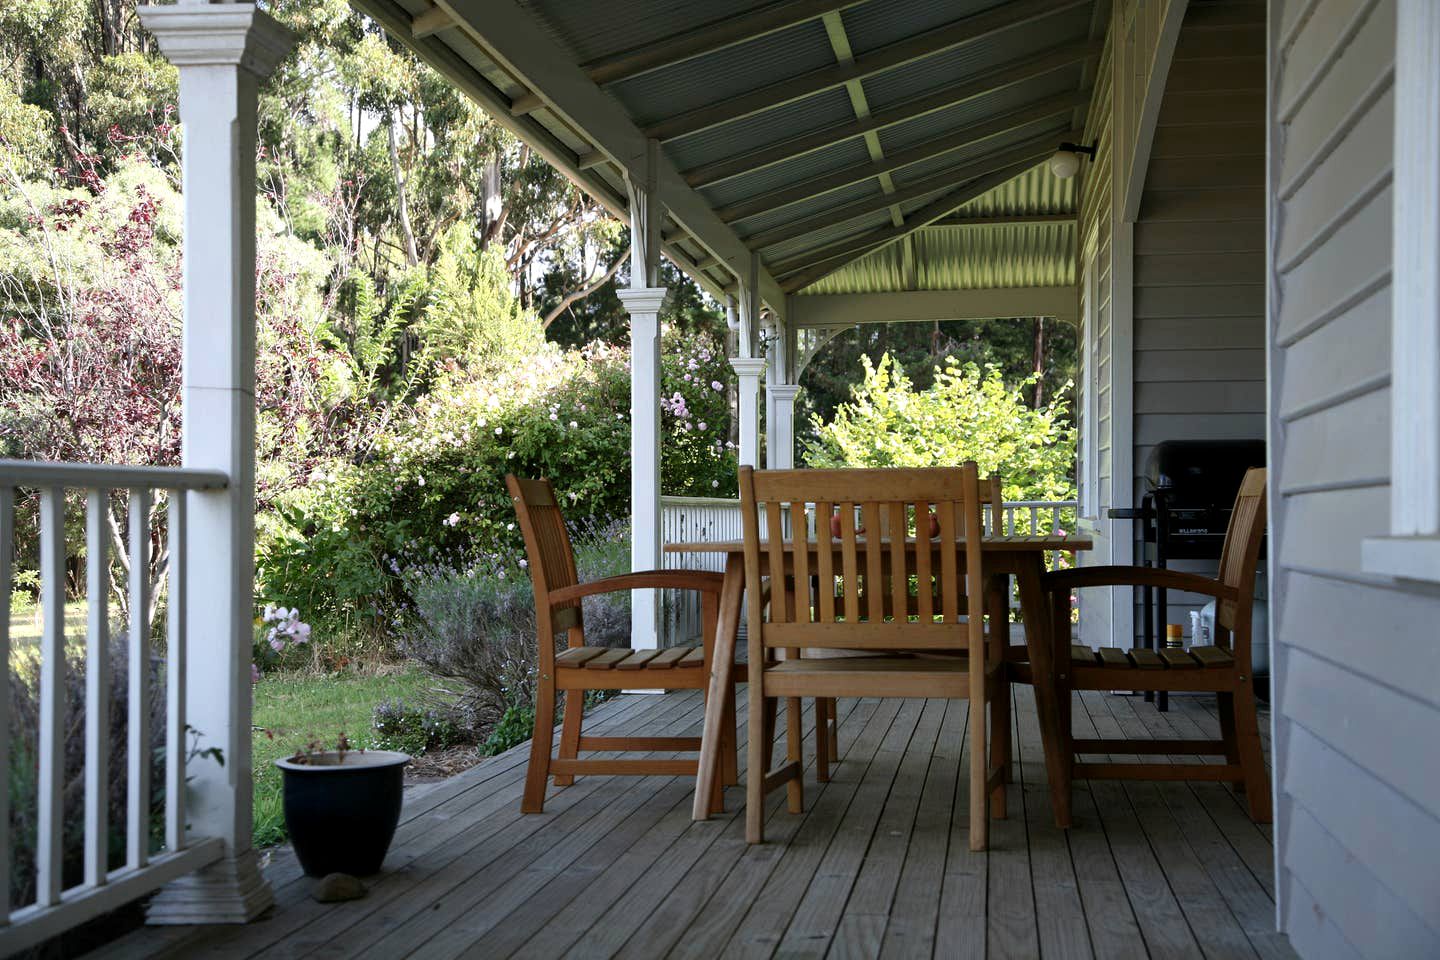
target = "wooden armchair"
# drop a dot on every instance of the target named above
(997, 600)
(870, 611)
(1223, 668)
(580, 667)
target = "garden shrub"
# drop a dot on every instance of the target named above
(432, 491)
(966, 414)
(412, 729)
(514, 727)
(477, 626)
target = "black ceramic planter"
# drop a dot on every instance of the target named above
(342, 815)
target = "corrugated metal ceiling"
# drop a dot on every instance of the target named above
(1013, 255)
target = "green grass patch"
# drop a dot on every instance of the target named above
(292, 710)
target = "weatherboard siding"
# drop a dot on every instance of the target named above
(1199, 277)
(1357, 693)
(1094, 397)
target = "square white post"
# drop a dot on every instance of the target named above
(222, 52)
(644, 304)
(749, 370)
(780, 433)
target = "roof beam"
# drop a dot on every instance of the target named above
(859, 103)
(956, 140)
(1009, 220)
(832, 310)
(519, 45)
(968, 88)
(709, 37)
(444, 60)
(430, 22)
(827, 260)
(957, 33)
(1027, 153)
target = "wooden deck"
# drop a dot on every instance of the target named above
(878, 865)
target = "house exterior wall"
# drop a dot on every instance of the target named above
(1094, 400)
(1357, 665)
(1191, 270)
(1199, 249)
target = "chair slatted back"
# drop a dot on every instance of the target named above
(878, 578)
(547, 545)
(1240, 555)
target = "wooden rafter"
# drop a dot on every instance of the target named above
(430, 22)
(1005, 220)
(955, 140)
(709, 37)
(967, 88)
(827, 260)
(1027, 153)
(957, 33)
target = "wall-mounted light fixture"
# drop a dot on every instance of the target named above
(1066, 161)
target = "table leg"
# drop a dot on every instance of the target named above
(1039, 643)
(722, 672)
(998, 607)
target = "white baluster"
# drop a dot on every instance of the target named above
(51, 825)
(137, 846)
(7, 545)
(175, 643)
(97, 689)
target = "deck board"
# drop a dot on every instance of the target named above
(878, 865)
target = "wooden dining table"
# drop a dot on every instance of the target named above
(1004, 556)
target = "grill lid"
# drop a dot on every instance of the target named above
(1202, 471)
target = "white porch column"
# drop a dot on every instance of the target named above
(780, 432)
(749, 370)
(644, 303)
(643, 300)
(222, 52)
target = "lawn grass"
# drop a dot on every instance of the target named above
(292, 710)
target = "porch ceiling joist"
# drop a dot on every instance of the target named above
(514, 40)
(399, 24)
(822, 311)
(1026, 154)
(957, 33)
(959, 139)
(431, 21)
(968, 88)
(1006, 220)
(829, 259)
(709, 37)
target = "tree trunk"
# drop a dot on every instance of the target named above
(1039, 366)
(412, 256)
(575, 296)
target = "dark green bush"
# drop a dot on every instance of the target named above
(412, 729)
(515, 726)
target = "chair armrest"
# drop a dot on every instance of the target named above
(1136, 577)
(701, 580)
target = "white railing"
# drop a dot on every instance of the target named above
(60, 904)
(698, 519)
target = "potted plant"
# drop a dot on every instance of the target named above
(342, 806)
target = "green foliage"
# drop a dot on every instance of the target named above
(697, 457)
(922, 348)
(411, 729)
(434, 489)
(515, 727)
(966, 414)
(472, 320)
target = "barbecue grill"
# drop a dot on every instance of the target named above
(1188, 493)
